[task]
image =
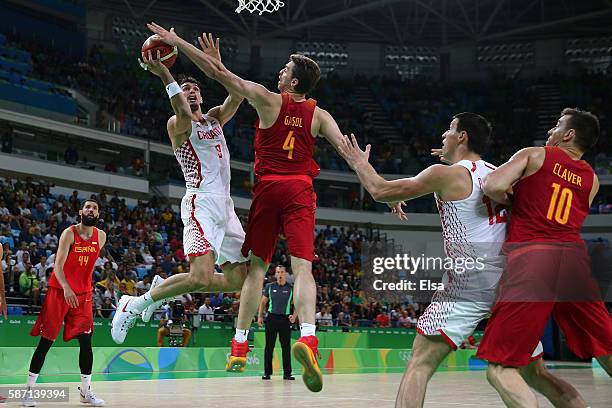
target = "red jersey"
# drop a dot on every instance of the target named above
(286, 148)
(551, 204)
(80, 263)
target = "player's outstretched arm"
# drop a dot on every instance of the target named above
(257, 94)
(226, 111)
(428, 181)
(66, 240)
(328, 128)
(181, 122)
(497, 184)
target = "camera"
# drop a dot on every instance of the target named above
(178, 310)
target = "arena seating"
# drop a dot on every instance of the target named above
(145, 240)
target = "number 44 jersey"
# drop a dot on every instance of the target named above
(80, 262)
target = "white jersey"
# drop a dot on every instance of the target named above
(476, 225)
(204, 158)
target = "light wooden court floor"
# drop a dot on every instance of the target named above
(447, 389)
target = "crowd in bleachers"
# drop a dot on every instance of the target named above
(144, 240)
(419, 110)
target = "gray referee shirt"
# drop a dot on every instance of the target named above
(279, 298)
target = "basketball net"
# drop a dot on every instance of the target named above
(261, 6)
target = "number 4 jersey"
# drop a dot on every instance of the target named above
(286, 148)
(80, 262)
(551, 204)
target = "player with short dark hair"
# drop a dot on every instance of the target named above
(212, 233)
(473, 226)
(69, 300)
(548, 267)
(284, 197)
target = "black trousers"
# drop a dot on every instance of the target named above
(278, 324)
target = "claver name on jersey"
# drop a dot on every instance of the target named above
(567, 175)
(85, 249)
(214, 133)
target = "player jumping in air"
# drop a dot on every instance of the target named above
(548, 265)
(68, 300)
(284, 198)
(212, 231)
(473, 226)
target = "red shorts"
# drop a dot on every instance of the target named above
(540, 281)
(515, 329)
(56, 311)
(284, 204)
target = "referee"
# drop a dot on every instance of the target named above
(278, 321)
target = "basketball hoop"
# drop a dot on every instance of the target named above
(261, 6)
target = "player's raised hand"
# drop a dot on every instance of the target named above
(440, 154)
(352, 153)
(396, 208)
(70, 297)
(210, 46)
(148, 63)
(169, 37)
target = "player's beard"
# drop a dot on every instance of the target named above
(89, 220)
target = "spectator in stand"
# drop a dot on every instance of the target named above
(28, 284)
(382, 318)
(206, 311)
(143, 286)
(405, 320)
(324, 317)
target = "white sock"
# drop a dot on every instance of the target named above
(307, 329)
(142, 302)
(85, 383)
(32, 379)
(241, 335)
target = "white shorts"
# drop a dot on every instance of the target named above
(210, 223)
(455, 318)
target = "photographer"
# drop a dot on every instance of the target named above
(175, 321)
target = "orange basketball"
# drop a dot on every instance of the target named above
(167, 52)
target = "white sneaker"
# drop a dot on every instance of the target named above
(124, 319)
(90, 398)
(150, 310)
(27, 400)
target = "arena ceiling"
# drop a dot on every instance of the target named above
(401, 22)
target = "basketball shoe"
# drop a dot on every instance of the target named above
(305, 350)
(124, 319)
(149, 310)
(90, 398)
(238, 358)
(27, 400)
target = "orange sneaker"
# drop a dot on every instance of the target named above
(306, 352)
(238, 358)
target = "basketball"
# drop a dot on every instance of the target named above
(167, 52)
